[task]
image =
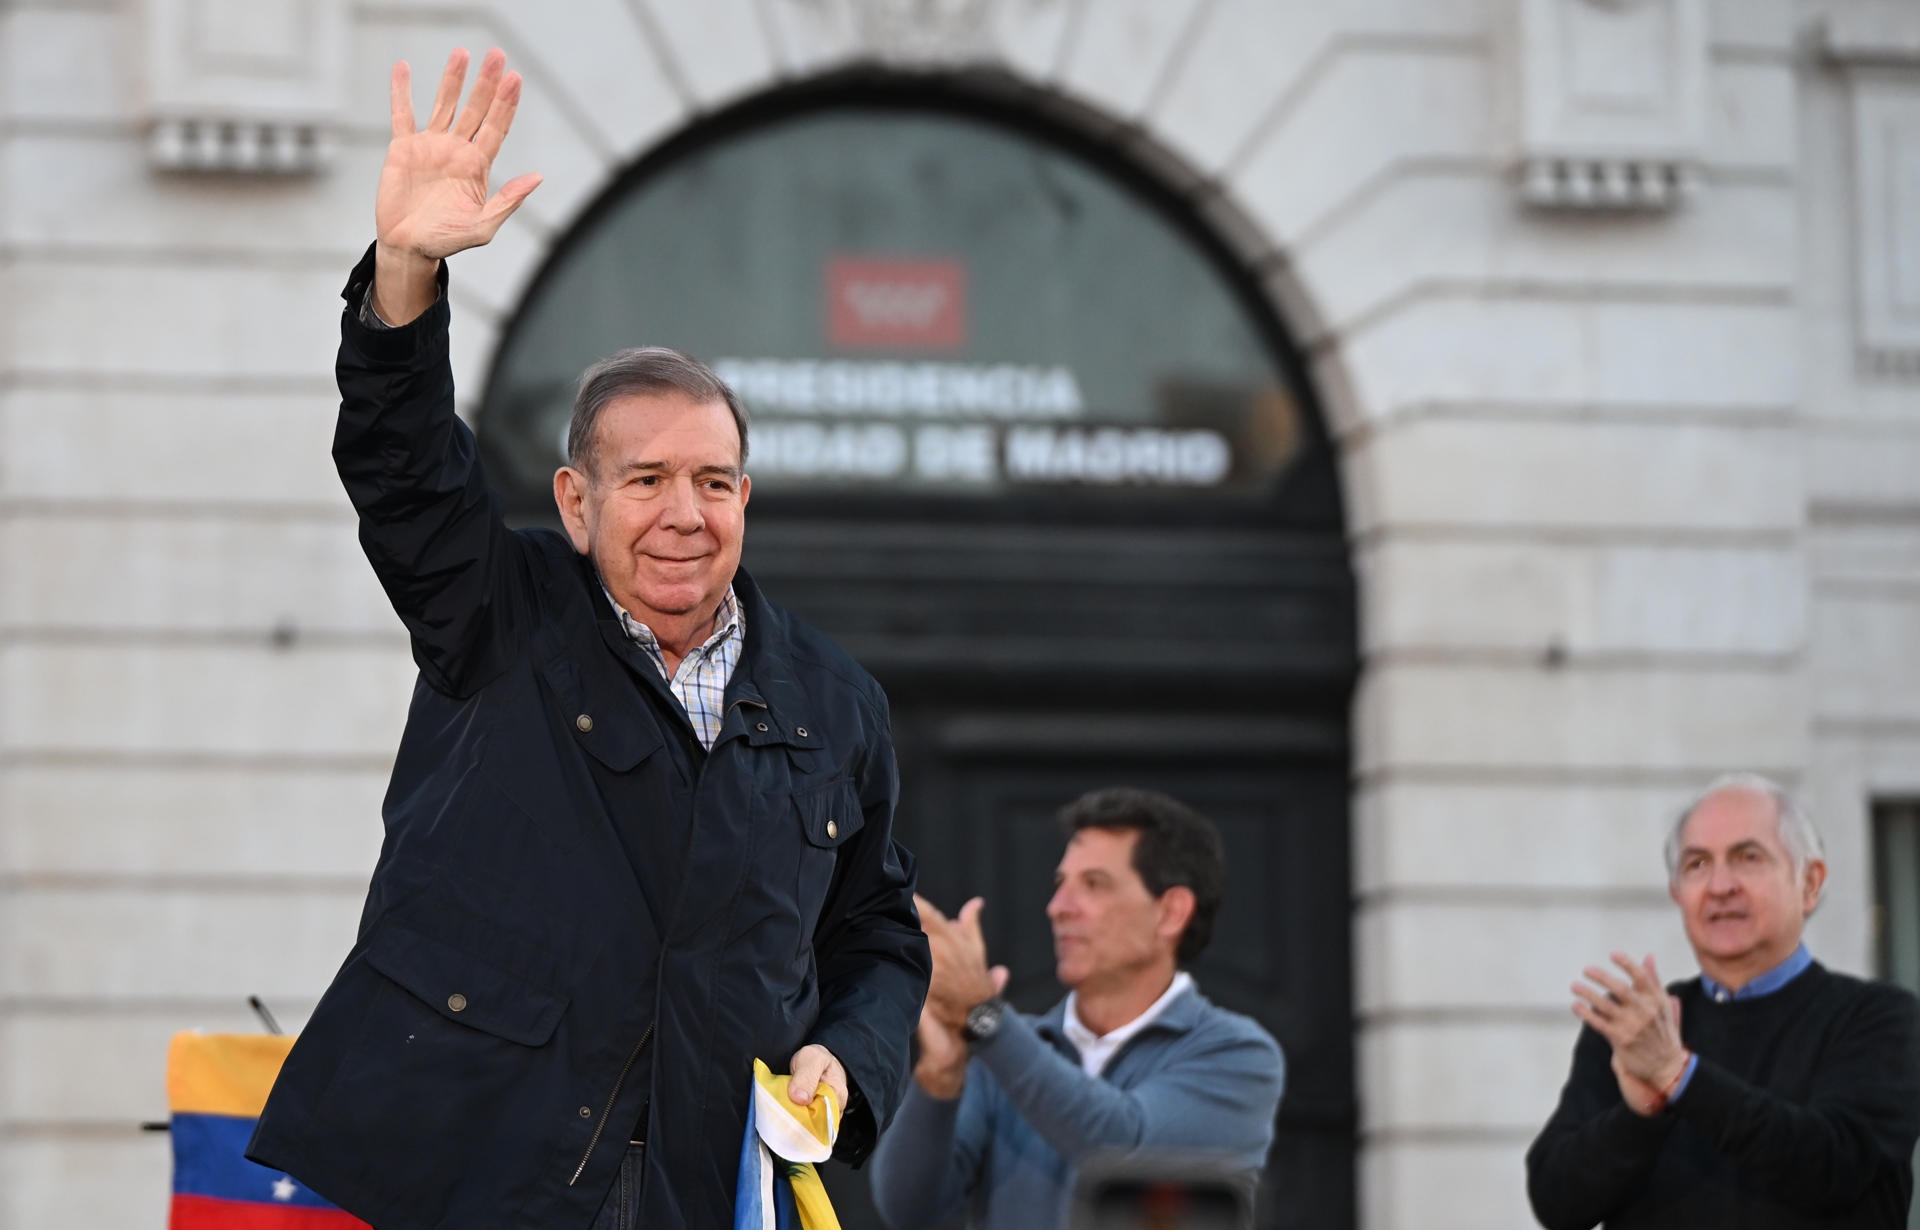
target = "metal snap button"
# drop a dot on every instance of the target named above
(457, 1002)
(833, 830)
(583, 723)
(761, 726)
(586, 1112)
(801, 731)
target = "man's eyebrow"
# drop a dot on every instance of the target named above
(1745, 843)
(639, 467)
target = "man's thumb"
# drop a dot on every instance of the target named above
(999, 974)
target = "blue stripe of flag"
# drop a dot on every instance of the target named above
(209, 1159)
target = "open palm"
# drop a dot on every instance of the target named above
(433, 198)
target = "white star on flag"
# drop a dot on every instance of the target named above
(284, 1187)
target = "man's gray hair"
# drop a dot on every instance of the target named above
(1797, 833)
(639, 371)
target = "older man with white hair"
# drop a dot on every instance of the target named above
(1769, 1091)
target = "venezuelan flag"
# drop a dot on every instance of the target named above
(778, 1188)
(216, 1085)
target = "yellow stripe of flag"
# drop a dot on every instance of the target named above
(223, 1074)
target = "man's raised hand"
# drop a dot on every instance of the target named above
(433, 199)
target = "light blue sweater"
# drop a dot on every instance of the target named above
(1199, 1079)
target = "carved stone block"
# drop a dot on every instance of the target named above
(1877, 46)
(1886, 136)
(1612, 97)
(251, 86)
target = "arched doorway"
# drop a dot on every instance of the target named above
(1028, 441)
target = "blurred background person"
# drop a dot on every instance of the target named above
(1134, 1059)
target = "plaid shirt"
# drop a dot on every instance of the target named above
(700, 685)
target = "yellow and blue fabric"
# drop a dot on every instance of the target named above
(778, 1188)
(216, 1085)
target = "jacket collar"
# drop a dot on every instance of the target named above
(767, 679)
(1181, 1016)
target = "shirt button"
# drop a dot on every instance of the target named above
(457, 1002)
(833, 830)
(761, 726)
(586, 1112)
(801, 731)
(583, 723)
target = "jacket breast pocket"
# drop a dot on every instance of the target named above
(446, 1040)
(829, 817)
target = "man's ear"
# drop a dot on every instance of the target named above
(1816, 879)
(1176, 911)
(570, 496)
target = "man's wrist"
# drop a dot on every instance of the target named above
(405, 284)
(1669, 1074)
(942, 1081)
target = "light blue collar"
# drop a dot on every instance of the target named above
(1766, 984)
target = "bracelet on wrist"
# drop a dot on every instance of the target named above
(1673, 1086)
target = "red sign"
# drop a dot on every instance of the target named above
(896, 304)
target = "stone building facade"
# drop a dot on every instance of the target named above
(1612, 307)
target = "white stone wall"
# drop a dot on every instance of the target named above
(1581, 451)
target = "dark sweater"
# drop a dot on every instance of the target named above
(1803, 1111)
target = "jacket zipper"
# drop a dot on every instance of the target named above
(606, 1114)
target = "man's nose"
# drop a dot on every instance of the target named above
(1057, 905)
(1721, 880)
(682, 508)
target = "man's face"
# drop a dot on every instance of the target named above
(663, 511)
(1743, 906)
(1108, 930)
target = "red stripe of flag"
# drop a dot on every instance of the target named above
(210, 1213)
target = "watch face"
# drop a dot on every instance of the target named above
(983, 1020)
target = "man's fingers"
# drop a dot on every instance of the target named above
(929, 912)
(1613, 985)
(493, 133)
(969, 917)
(1636, 972)
(1589, 995)
(500, 205)
(448, 95)
(1601, 1025)
(485, 87)
(808, 1063)
(811, 1065)
(999, 974)
(401, 91)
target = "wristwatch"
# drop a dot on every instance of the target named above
(983, 1020)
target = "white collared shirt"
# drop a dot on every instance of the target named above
(1097, 1049)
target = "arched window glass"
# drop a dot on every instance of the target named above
(920, 302)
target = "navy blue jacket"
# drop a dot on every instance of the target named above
(580, 915)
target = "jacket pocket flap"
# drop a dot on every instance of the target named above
(830, 814)
(463, 988)
(603, 720)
